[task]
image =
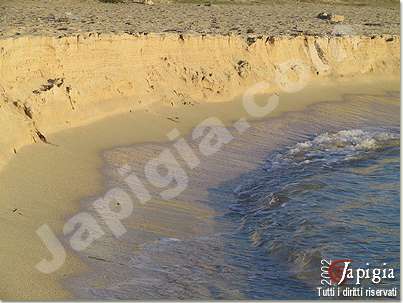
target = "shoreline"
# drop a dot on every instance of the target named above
(73, 171)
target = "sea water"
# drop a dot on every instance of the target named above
(291, 191)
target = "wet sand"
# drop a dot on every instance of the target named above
(58, 181)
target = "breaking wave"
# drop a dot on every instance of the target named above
(330, 148)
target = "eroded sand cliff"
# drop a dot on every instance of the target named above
(48, 84)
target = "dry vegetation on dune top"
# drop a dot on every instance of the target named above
(261, 17)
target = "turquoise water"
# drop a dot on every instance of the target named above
(320, 183)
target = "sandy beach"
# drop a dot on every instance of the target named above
(79, 79)
(62, 175)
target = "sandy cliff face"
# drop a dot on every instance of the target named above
(49, 84)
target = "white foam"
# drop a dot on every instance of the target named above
(334, 147)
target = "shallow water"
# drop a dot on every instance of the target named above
(258, 216)
(333, 197)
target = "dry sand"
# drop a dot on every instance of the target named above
(64, 64)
